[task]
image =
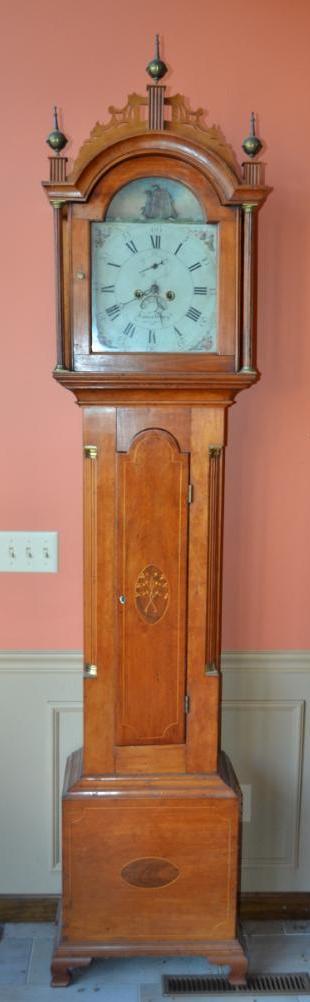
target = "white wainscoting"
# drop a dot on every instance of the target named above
(40, 724)
(266, 701)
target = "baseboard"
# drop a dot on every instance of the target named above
(269, 905)
(40, 908)
(28, 907)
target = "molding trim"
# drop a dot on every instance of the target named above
(41, 661)
(43, 908)
(58, 710)
(72, 661)
(283, 661)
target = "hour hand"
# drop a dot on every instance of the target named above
(155, 265)
(129, 301)
(139, 294)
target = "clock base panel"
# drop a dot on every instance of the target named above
(150, 869)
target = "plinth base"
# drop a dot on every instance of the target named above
(150, 868)
(78, 955)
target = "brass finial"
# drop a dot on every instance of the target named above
(156, 68)
(56, 139)
(252, 145)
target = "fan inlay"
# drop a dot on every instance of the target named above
(152, 594)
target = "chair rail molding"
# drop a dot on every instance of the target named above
(283, 661)
(41, 661)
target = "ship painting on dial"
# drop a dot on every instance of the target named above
(159, 203)
(157, 198)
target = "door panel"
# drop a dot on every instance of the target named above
(152, 489)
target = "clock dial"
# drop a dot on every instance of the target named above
(154, 287)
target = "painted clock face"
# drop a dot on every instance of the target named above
(154, 281)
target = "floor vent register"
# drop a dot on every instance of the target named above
(258, 984)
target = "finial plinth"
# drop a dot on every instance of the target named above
(56, 139)
(254, 173)
(156, 68)
(252, 145)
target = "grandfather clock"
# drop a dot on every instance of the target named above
(156, 276)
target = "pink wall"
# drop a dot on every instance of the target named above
(229, 57)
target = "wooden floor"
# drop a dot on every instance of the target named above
(25, 952)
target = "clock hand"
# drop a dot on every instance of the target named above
(128, 301)
(155, 265)
(141, 294)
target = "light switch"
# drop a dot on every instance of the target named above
(30, 552)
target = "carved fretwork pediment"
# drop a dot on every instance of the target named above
(132, 119)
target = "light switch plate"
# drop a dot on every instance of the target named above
(29, 552)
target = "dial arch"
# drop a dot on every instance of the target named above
(213, 167)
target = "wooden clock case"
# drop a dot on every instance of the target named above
(151, 806)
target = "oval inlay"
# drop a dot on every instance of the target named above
(149, 872)
(152, 593)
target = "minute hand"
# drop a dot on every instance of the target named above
(156, 265)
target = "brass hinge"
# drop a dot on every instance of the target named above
(211, 669)
(91, 451)
(90, 671)
(187, 704)
(190, 493)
